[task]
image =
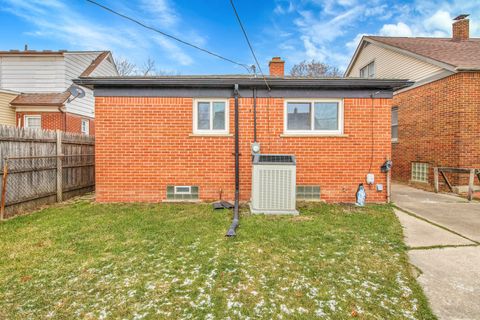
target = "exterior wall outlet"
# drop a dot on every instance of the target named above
(379, 187)
(370, 178)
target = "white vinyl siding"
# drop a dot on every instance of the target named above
(391, 64)
(33, 73)
(313, 117)
(75, 65)
(7, 113)
(105, 69)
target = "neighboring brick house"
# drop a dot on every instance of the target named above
(34, 88)
(436, 121)
(154, 135)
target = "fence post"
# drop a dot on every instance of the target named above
(471, 179)
(59, 167)
(435, 179)
(4, 189)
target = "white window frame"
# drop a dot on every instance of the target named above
(313, 132)
(87, 126)
(394, 124)
(212, 132)
(30, 116)
(365, 67)
(175, 190)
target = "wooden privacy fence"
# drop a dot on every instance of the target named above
(472, 172)
(42, 166)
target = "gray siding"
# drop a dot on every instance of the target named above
(391, 64)
(32, 74)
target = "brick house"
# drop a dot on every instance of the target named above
(435, 121)
(156, 136)
(34, 88)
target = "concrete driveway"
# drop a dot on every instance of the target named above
(443, 234)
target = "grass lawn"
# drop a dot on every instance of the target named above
(172, 261)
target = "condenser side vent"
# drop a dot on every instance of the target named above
(273, 184)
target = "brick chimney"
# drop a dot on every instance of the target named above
(461, 28)
(277, 67)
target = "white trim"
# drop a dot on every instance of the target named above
(87, 131)
(210, 132)
(181, 192)
(372, 62)
(313, 132)
(32, 116)
(37, 109)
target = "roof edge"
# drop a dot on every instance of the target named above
(198, 82)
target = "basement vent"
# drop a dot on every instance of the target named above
(182, 193)
(273, 184)
(308, 193)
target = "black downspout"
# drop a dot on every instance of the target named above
(236, 217)
(254, 114)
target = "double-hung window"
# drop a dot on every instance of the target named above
(85, 126)
(210, 116)
(394, 124)
(34, 122)
(313, 117)
(368, 71)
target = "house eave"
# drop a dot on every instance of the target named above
(212, 82)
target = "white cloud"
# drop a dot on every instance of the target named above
(55, 19)
(440, 21)
(396, 30)
(162, 10)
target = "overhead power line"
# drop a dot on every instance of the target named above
(249, 44)
(168, 35)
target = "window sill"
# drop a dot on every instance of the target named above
(181, 201)
(306, 135)
(394, 141)
(210, 135)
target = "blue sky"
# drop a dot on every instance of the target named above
(325, 30)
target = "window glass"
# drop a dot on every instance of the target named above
(394, 124)
(204, 115)
(298, 116)
(219, 116)
(34, 122)
(419, 172)
(326, 116)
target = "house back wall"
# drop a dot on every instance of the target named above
(144, 144)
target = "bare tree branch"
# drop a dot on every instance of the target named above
(148, 68)
(313, 69)
(125, 67)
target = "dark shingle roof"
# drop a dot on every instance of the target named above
(459, 54)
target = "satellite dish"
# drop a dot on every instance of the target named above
(76, 92)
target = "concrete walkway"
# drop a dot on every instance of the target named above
(443, 234)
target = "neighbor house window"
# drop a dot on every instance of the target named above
(34, 122)
(394, 124)
(182, 193)
(419, 172)
(210, 116)
(368, 71)
(313, 117)
(85, 126)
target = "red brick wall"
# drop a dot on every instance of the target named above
(145, 144)
(438, 124)
(56, 121)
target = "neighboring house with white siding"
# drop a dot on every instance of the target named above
(42, 79)
(435, 121)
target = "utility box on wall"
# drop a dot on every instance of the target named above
(274, 184)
